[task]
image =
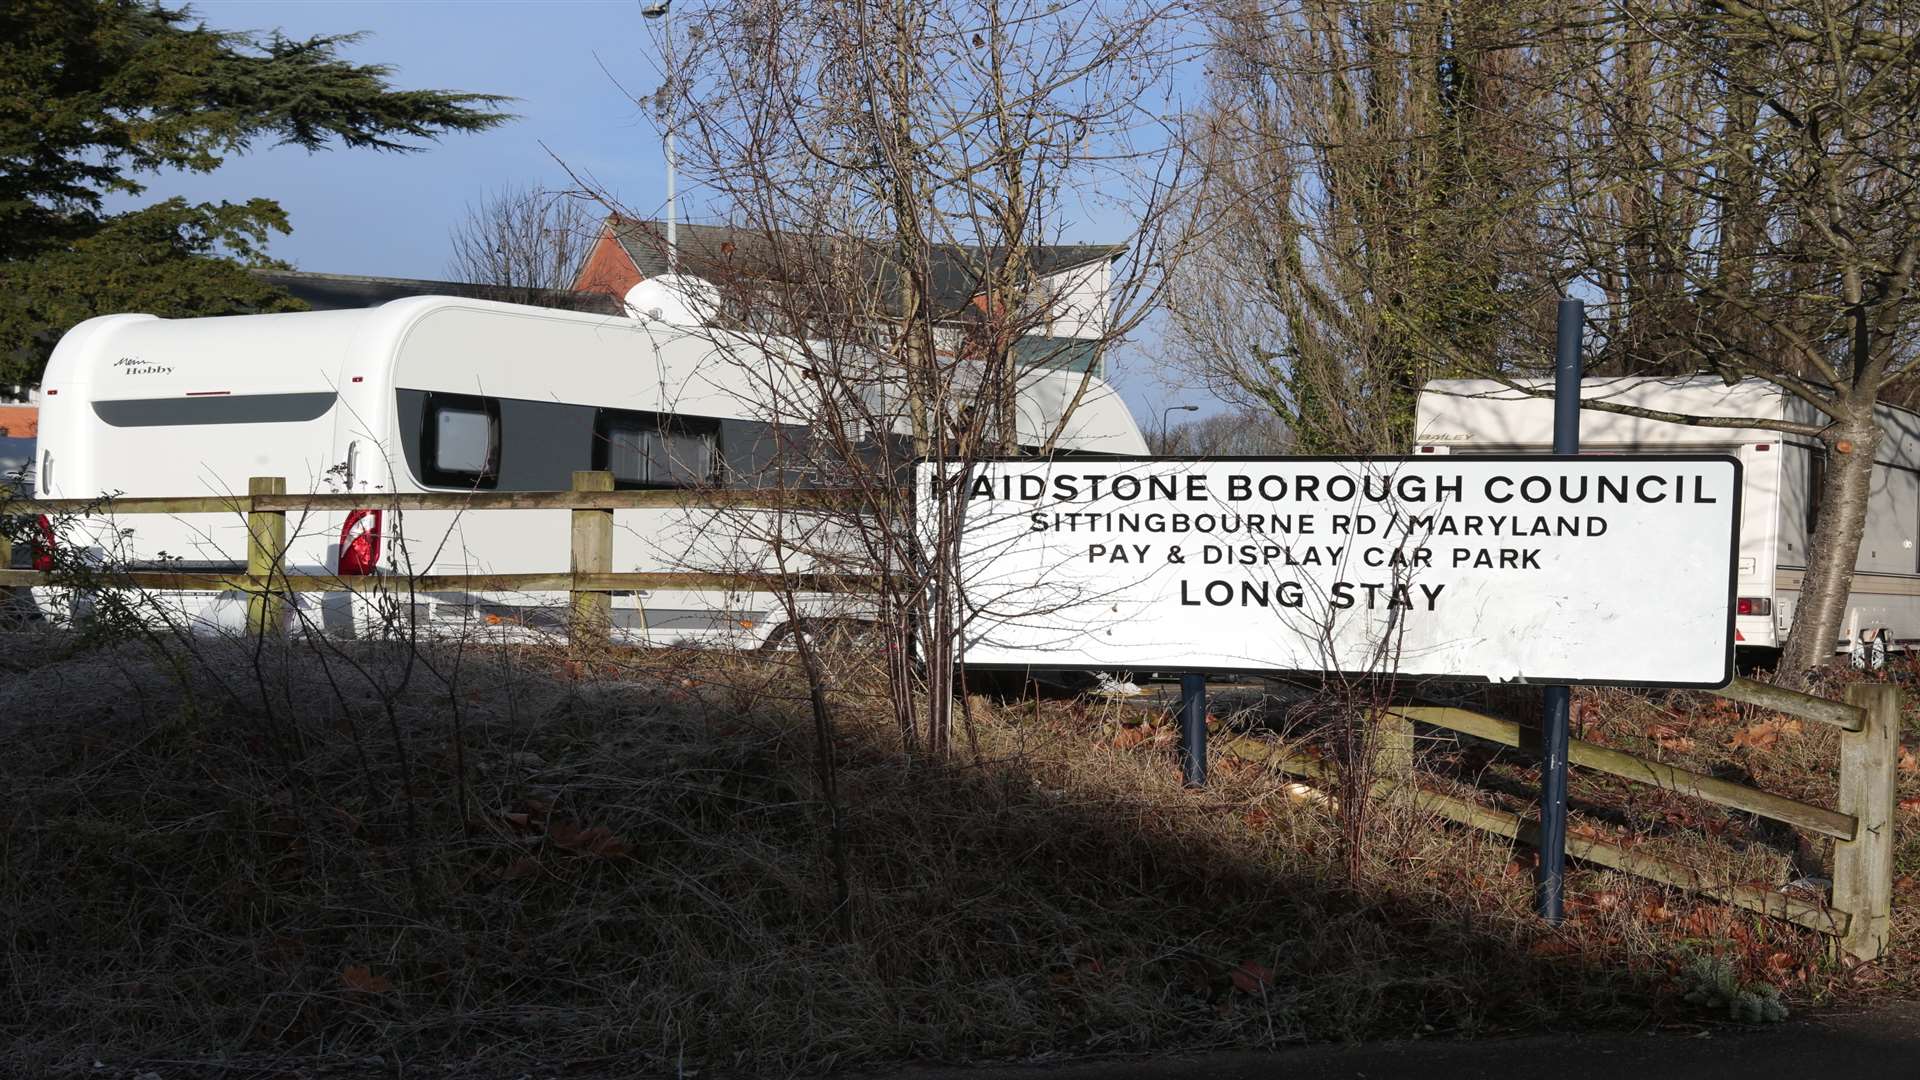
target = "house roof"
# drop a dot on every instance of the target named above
(718, 252)
(332, 292)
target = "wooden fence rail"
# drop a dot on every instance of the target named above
(1793, 908)
(1861, 826)
(576, 499)
(1859, 914)
(1656, 774)
(589, 578)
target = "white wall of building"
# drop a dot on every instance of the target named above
(1077, 300)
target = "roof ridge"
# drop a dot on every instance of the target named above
(658, 228)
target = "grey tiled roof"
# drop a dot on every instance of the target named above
(332, 292)
(718, 252)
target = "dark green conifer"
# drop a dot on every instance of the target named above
(94, 93)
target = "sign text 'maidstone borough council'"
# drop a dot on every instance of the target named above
(1412, 500)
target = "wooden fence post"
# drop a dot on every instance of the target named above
(1863, 866)
(266, 557)
(592, 554)
(1392, 746)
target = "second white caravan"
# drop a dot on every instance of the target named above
(1779, 504)
(450, 395)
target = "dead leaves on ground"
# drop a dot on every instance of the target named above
(361, 979)
(1668, 738)
(1085, 970)
(1251, 977)
(1763, 735)
(1595, 920)
(525, 866)
(1758, 736)
(594, 841)
(532, 819)
(1553, 946)
(1153, 735)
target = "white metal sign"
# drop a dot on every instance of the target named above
(1510, 567)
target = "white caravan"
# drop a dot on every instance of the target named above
(1778, 506)
(452, 395)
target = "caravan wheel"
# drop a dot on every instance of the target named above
(825, 635)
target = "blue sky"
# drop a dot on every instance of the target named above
(363, 212)
(574, 65)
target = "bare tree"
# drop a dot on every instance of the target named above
(523, 238)
(1360, 189)
(1730, 185)
(898, 178)
(1773, 226)
(1244, 432)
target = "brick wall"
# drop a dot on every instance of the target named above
(608, 269)
(20, 421)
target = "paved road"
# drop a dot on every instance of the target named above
(1882, 1044)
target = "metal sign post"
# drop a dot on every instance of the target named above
(1193, 729)
(1557, 699)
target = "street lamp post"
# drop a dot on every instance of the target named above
(661, 9)
(1164, 413)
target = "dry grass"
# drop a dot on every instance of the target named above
(1745, 744)
(1779, 754)
(493, 856)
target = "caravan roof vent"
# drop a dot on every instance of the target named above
(674, 299)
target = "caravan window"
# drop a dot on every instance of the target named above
(462, 440)
(220, 408)
(1816, 485)
(650, 450)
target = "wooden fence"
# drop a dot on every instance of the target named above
(1858, 916)
(589, 579)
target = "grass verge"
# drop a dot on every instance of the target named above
(493, 855)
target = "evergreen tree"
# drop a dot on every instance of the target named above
(96, 92)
